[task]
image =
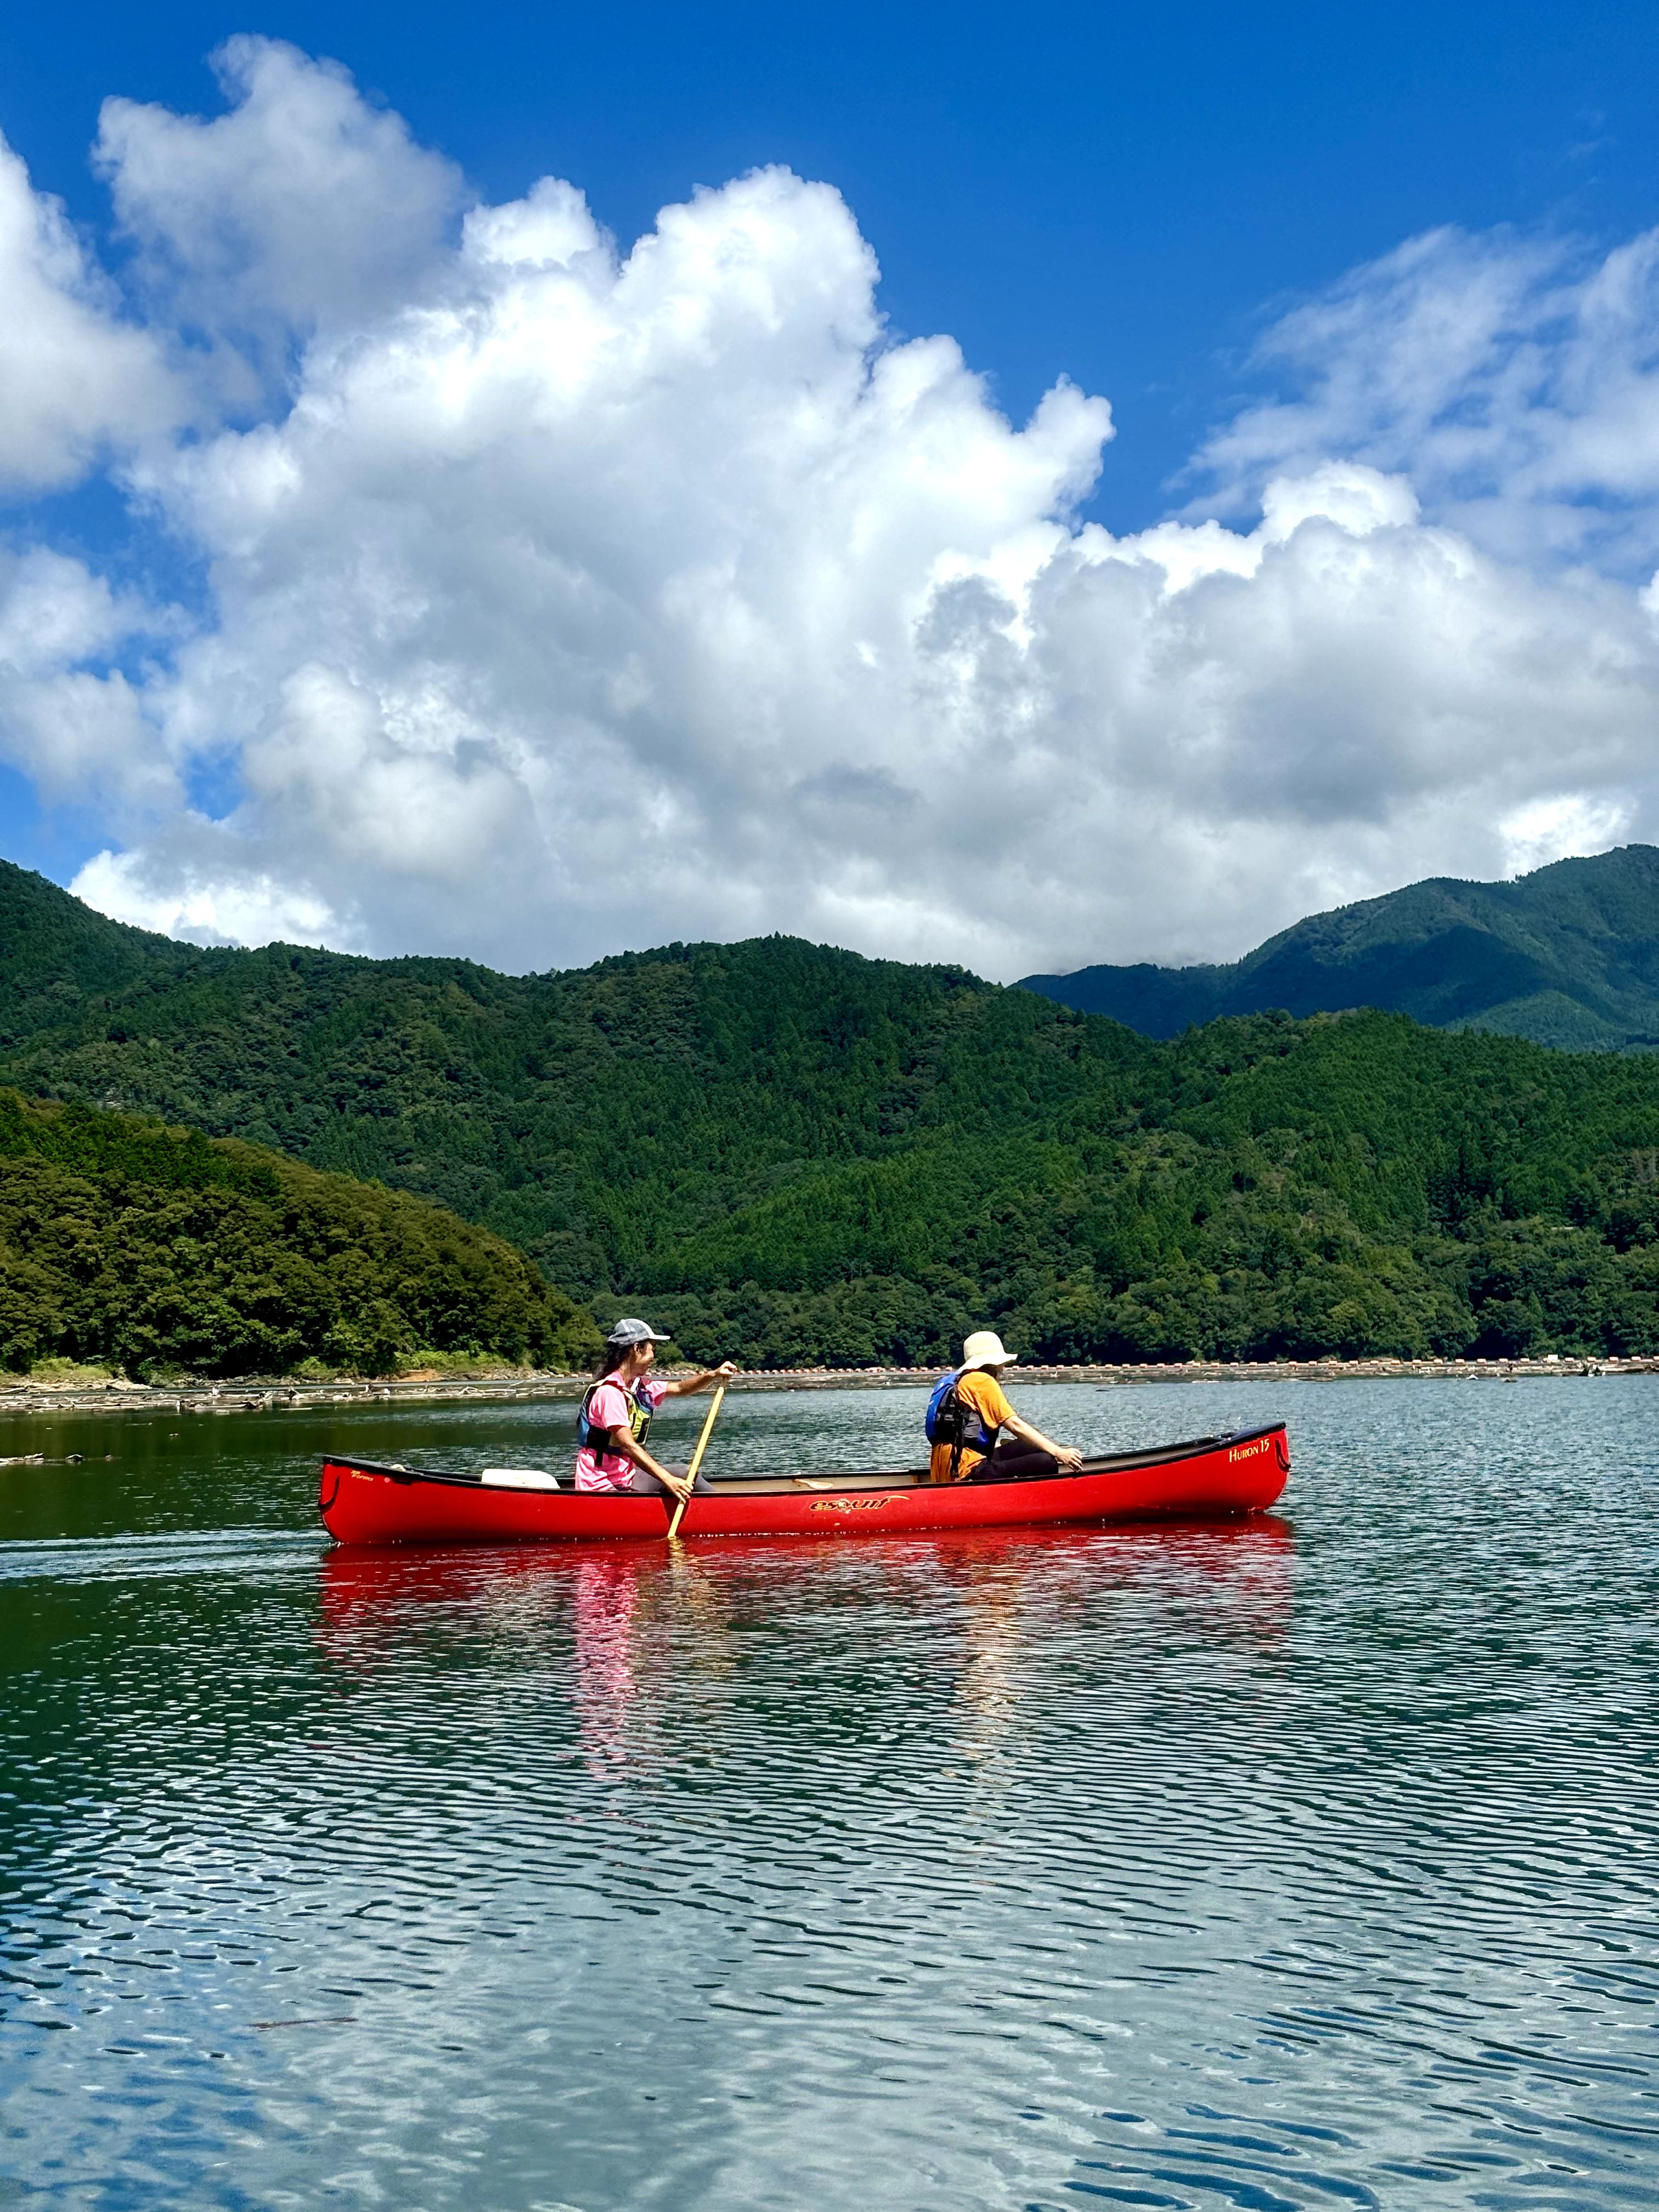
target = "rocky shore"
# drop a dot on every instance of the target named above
(24, 1397)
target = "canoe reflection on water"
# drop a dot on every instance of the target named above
(633, 1636)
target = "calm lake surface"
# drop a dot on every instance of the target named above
(1310, 1863)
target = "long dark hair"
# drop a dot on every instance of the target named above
(608, 1356)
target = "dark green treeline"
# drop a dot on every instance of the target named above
(125, 1242)
(794, 1154)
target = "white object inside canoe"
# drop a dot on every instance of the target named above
(520, 1477)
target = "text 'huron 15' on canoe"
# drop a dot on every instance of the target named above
(366, 1502)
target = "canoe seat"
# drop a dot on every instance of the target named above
(518, 1478)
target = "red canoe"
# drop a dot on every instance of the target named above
(365, 1502)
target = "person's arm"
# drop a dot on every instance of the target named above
(623, 1444)
(688, 1384)
(1067, 1456)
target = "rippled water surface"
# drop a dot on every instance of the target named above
(1305, 1862)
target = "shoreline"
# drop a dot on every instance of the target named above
(506, 1385)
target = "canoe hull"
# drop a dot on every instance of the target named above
(366, 1502)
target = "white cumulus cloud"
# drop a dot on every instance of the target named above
(76, 379)
(559, 598)
(301, 209)
(1515, 380)
(78, 731)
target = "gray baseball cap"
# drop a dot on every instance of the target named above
(633, 1332)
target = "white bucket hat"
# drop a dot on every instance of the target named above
(984, 1349)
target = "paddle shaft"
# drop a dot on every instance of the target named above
(696, 1462)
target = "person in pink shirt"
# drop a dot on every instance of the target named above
(616, 1415)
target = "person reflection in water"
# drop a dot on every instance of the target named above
(605, 1597)
(616, 1415)
(970, 1412)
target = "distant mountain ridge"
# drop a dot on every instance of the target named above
(1567, 956)
(792, 1156)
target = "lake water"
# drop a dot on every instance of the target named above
(1310, 1863)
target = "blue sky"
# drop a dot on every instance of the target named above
(1120, 193)
(1132, 200)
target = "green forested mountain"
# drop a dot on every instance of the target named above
(123, 1241)
(792, 1154)
(1568, 956)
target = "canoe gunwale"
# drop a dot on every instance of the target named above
(784, 1485)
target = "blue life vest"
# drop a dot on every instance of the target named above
(955, 1421)
(589, 1438)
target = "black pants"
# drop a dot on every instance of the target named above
(1015, 1463)
(647, 1486)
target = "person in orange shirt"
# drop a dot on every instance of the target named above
(972, 1452)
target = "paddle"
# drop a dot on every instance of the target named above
(696, 1462)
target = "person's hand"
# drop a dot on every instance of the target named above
(677, 1485)
(1069, 1457)
(726, 1370)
